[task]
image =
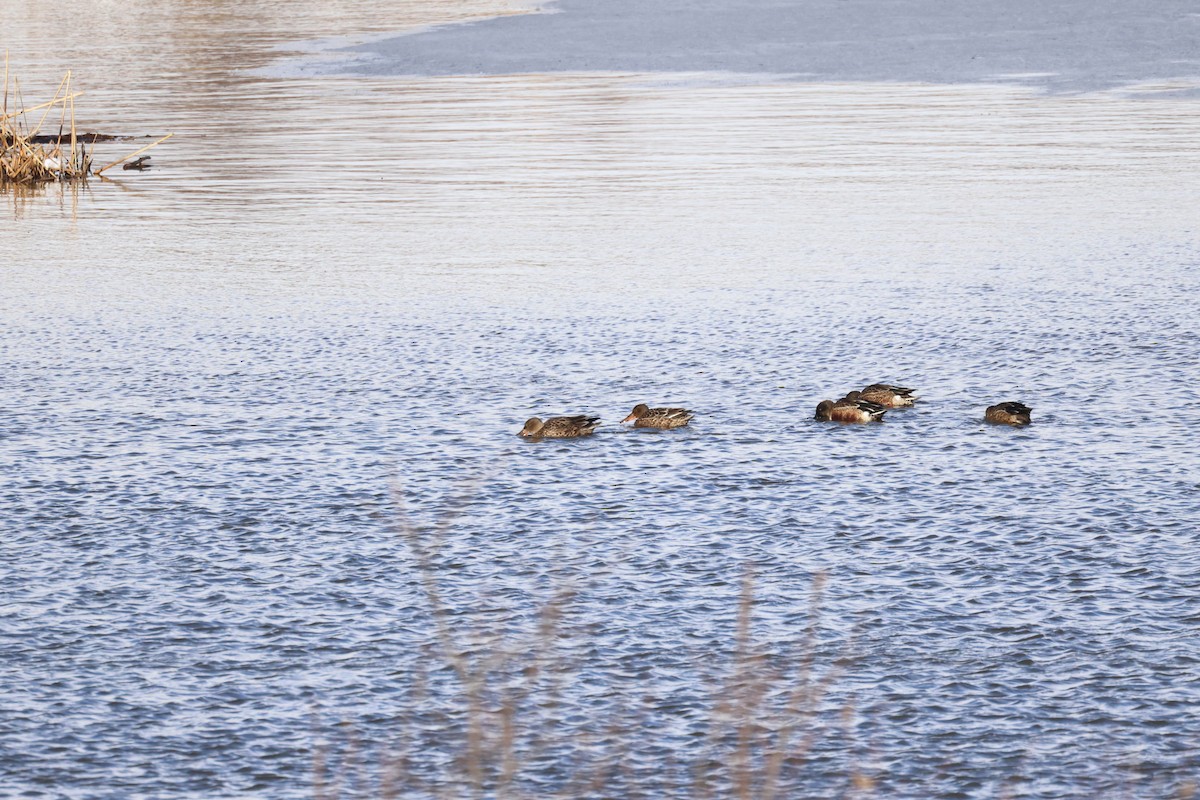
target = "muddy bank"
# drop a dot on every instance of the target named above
(1065, 46)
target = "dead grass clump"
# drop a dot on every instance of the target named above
(28, 156)
(23, 157)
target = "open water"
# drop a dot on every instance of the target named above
(216, 376)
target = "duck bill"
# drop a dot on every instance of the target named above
(630, 418)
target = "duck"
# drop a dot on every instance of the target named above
(1011, 413)
(643, 416)
(850, 410)
(887, 395)
(559, 427)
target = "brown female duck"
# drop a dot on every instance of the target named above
(1008, 414)
(559, 427)
(643, 416)
(887, 395)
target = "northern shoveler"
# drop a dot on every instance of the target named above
(847, 410)
(1008, 414)
(643, 416)
(887, 395)
(559, 427)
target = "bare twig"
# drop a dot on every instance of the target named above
(16, 114)
(134, 153)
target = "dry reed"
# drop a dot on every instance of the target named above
(488, 712)
(26, 157)
(24, 160)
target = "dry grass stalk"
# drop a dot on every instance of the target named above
(487, 720)
(134, 153)
(26, 161)
(23, 161)
(5, 116)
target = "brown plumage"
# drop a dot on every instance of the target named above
(848, 410)
(643, 416)
(887, 395)
(559, 427)
(1008, 414)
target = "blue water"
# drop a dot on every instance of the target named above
(231, 385)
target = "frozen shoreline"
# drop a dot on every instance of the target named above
(1065, 46)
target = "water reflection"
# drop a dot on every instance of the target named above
(924, 181)
(185, 46)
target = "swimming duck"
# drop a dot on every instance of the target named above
(1008, 414)
(887, 395)
(559, 427)
(643, 416)
(848, 410)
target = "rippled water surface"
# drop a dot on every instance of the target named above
(213, 377)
